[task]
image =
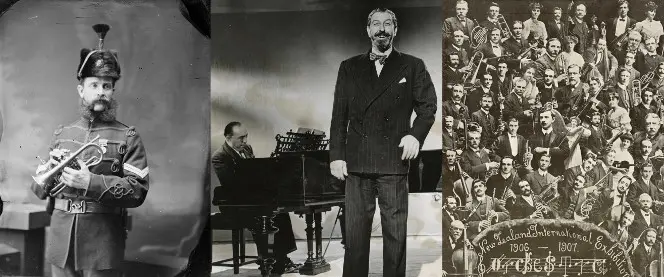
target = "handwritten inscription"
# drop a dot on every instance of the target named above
(551, 249)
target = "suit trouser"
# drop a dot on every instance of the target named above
(284, 239)
(360, 206)
(70, 270)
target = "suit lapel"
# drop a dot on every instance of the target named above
(552, 138)
(364, 81)
(232, 152)
(388, 76)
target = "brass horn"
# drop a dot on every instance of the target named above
(49, 176)
(505, 28)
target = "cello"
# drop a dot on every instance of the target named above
(465, 259)
(656, 268)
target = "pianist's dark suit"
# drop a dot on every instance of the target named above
(370, 116)
(224, 161)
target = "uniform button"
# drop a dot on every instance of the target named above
(385, 137)
(387, 119)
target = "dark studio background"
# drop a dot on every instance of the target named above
(164, 92)
(275, 63)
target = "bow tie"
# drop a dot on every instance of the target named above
(494, 46)
(648, 214)
(622, 19)
(380, 58)
(511, 136)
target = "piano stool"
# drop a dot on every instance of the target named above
(218, 222)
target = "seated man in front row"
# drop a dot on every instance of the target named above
(224, 161)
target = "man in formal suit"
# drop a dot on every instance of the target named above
(503, 184)
(619, 230)
(650, 59)
(584, 169)
(549, 142)
(518, 107)
(492, 49)
(645, 107)
(449, 212)
(459, 22)
(541, 179)
(525, 205)
(514, 45)
(644, 185)
(452, 240)
(601, 60)
(628, 63)
(579, 28)
(474, 98)
(621, 24)
(486, 120)
(565, 95)
(548, 61)
(452, 74)
(546, 86)
(623, 89)
(512, 144)
(653, 134)
(457, 46)
(450, 171)
(477, 161)
(88, 214)
(488, 210)
(372, 140)
(646, 252)
(587, 102)
(572, 198)
(492, 17)
(597, 140)
(557, 28)
(224, 161)
(455, 107)
(644, 217)
(632, 46)
(449, 134)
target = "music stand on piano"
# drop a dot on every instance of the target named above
(295, 178)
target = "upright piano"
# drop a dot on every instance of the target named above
(297, 181)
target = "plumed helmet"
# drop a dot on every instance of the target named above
(99, 62)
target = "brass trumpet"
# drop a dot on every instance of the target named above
(52, 176)
(475, 62)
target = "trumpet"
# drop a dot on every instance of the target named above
(52, 176)
(527, 158)
(505, 28)
(636, 91)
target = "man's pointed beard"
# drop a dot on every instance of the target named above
(107, 115)
(382, 44)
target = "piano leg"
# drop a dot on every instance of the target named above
(264, 233)
(314, 265)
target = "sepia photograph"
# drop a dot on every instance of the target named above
(326, 138)
(104, 136)
(552, 138)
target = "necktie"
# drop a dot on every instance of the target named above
(380, 58)
(242, 155)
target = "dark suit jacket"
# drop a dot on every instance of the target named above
(450, 77)
(453, 24)
(474, 99)
(497, 186)
(546, 94)
(504, 148)
(448, 249)
(622, 237)
(611, 28)
(449, 139)
(639, 187)
(553, 31)
(224, 161)
(515, 108)
(447, 220)
(537, 182)
(596, 141)
(371, 114)
(641, 260)
(559, 150)
(489, 126)
(639, 223)
(473, 164)
(638, 116)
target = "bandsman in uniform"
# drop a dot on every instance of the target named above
(88, 217)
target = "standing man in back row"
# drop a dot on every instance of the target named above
(372, 141)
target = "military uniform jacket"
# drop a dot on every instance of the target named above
(121, 180)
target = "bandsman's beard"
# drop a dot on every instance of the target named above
(107, 115)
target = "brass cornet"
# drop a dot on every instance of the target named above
(52, 176)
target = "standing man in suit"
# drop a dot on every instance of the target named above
(474, 98)
(486, 120)
(459, 22)
(557, 28)
(621, 24)
(512, 144)
(88, 217)
(546, 141)
(372, 141)
(597, 140)
(224, 161)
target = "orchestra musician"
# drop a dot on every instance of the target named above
(568, 56)
(621, 24)
(526, 205)
(485, 120)
(628, 64)
(572, 198)
(645, 107)
(449, 212)
(503, 81)
(565, 95)
(620, 229)
(604, 168)
(453, 73)
(540, 179)
(644, 217)
(512, 144)
(547, 86)
(548, 61)
(458, 23)
(632, 46)
(514, 45)
(584, 169)
(492, 17)
(533, 24)
(452, 240)
(557, 28)
(642, 156)
(475, 160)
(474, 98)
(450, 171)
(224, 162)
(503, 184)
(487, 210)
(649, 27)
(596, 141)
(623, 155)
(492, 49)
(458, 46)
(651, 59)
(642, 185)
(450, 137)
(653, 134)
(657, 82)
(455, 107)
(547, 141)
(618, 199)
(623, 89)
(579, 28)
(646, 252)
(516, 106)
(596, 61)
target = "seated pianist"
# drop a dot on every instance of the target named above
(224, 160)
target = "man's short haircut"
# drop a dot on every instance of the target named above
(228, 131)
(383, 10)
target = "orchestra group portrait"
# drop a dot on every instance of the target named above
(553, 110)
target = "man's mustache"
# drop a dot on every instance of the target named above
(382, 33)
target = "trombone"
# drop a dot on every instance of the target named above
(475, 62)
(505, 28)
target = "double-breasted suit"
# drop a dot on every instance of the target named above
(371, 114)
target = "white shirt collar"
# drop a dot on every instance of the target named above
(386, 53)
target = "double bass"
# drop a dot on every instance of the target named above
(465, 259)
(656, 268)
